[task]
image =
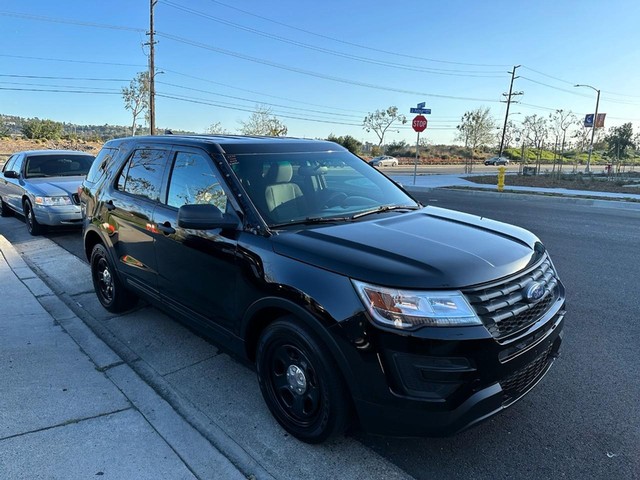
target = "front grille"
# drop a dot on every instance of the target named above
(75, 198)
(502, 306)
(519, 382)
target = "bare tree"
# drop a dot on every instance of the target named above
(263, 122)
(217, 129)
(136, 97)
(537, 132)
(559, 123)
(380, 121)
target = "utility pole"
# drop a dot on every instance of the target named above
(152, 71)
(506, 116)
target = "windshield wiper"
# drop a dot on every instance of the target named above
(384, 208)
(312, 220)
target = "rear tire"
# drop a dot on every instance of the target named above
(5, 211)
(33, 226)
(109, 289)
(301, 383)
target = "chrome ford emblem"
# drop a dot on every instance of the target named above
(533, 292)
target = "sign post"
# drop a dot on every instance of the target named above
(419, 124)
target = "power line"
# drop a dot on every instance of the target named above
(255, 101)
(438, 71)
(176, 38)
(355, 44)
(55, 86)
(88, 62)
(59, 91)
(42, 18)
(65, 78)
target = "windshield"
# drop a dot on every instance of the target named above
(57, 165)
(315, 186)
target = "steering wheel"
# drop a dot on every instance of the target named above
(335, 199)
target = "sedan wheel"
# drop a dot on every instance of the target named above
(33, 226)
(300, 383)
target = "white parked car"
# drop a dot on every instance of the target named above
(384, 161)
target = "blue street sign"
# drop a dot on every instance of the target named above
(421, 104)
(588, 120)
(423, 111)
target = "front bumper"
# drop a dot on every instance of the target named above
(56, 216)
(441, 387)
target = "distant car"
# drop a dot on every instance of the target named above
(384, 161)
(43, 186)
(496, 161)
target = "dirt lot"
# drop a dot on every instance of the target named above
(9, 146)
(594, 183)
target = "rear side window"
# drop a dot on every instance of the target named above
(142, 174)
(101, 164)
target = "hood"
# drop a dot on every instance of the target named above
(429, 248)
(54, 187)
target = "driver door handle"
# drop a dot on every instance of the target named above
(166, 228)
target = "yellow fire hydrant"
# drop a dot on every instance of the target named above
(501, 173)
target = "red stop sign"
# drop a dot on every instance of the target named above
(419, 123)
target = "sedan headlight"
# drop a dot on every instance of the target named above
(53, 201)
(409, 309)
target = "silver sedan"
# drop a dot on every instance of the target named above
(43, 186)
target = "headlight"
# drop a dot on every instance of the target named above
(409, 309)
(53, 201)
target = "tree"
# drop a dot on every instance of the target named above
(263, 122)
(620, 139)
(217, 129)
(348, 142)
(560, 122)
(136, 97)
(380, 121)
(42, 129)
(476, 129)
(537, 132)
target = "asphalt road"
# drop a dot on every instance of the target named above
(583, 420)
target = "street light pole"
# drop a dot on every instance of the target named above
(595, 121)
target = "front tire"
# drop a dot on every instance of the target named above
(33, 227)
(109, 289)
(301, 383)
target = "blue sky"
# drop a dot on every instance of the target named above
(320, 66)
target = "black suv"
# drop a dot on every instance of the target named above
(352, 300)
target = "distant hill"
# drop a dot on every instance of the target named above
(12, 125)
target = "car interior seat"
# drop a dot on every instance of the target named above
(284, 199)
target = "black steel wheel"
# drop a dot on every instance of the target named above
(300, 382)
(5, 211)
(109, 289)
(33, 226)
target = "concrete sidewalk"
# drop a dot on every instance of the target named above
(69, 406)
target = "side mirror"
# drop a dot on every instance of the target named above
(10, 174)
(205, 217)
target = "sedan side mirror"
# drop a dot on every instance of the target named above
(10, 174)
(205, 217)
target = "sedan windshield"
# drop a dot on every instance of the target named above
(315, 187)
(57, 165)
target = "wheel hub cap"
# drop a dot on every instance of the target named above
(297, 380)
(106, 277)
